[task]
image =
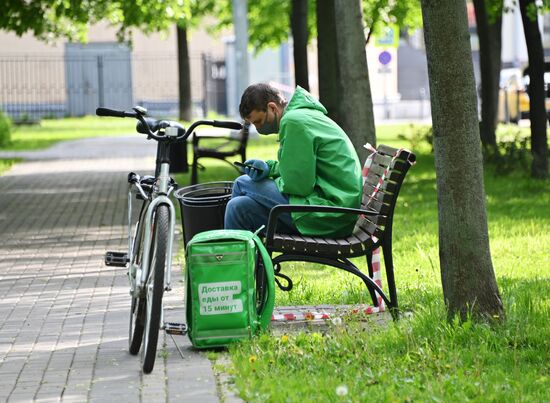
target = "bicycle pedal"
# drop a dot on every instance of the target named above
(119, 259)
(175, 328)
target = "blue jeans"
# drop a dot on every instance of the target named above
(251, 203)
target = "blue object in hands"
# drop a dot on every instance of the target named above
(261, 171)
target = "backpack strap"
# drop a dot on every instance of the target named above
(267, 307)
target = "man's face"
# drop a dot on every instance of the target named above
(259, 118)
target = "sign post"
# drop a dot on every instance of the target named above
(387, 38)
(385, 58)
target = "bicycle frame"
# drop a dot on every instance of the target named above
(139, 275)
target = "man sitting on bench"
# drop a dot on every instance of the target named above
(317, 165)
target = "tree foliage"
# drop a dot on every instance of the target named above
(269, 26)
(51, 19)
(268, 21)
(380, 13)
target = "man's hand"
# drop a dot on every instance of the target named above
(257, 174)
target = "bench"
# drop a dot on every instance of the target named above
(373, 230)
(230, 147)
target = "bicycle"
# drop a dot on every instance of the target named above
(151, 238)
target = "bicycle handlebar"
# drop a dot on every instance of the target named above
(151, 126)
(227, 124)
(114, 113)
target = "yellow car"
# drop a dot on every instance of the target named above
(513, 99)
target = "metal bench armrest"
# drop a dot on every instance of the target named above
(298, 208)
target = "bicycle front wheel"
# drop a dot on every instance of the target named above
(155, 287)
(137, 308)
(135, 331)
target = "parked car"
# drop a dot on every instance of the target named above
(513, 100)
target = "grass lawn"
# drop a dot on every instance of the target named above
(50, 131)
(424, 358)
(6, 164)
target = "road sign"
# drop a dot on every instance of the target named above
(384, 57)
(387, 37)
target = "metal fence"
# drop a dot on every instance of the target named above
(32, 87)
(35, 87)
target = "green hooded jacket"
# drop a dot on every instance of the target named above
(317, 165)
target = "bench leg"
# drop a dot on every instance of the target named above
(371, 273)
(388, 264)
(369, 264)
(369, 283)
(344, 264)
(277, 272)
(194, 171)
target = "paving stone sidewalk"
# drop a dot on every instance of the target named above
(63, 313)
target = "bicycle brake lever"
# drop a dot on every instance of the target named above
(133, 177)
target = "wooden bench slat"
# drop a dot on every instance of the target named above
(310, 244)
(390, 151)
(379, 220)
(380, 196)
(386, 150)
(387, 187)
(361, 234)
(356, 246)
(393, 176)
(403, 154)
(344, 246)
(380, 208)
(366, 225)
(381, 159)
(377, 169)
(333, 245)
(400, 165)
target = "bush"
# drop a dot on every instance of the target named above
(5, 130)
(419, 137)
(513, 151)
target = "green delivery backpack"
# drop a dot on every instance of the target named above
(222, 298)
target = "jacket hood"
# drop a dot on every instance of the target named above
(303, 99)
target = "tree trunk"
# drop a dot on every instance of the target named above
(537, 108)
(490, 40)
(184, 75)
(300, 36)
(469, 283)
(327, 58)
(356, 113)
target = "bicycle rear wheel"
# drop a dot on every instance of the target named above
(155, 287)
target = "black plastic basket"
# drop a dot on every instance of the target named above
(203, 207)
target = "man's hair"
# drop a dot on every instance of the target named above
(257, 96)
